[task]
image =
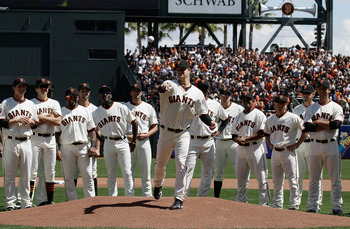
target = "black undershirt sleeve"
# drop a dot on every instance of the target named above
(206, 119)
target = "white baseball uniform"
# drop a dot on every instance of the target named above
(203, 145)
(178, 107)
(44, 142)
(112, 123)
(90, 108)
(146, 117)
(282, 132)
(17, 150)
(324, 150)
(252, 156)
(74, 129)
(303, 154)
(226, 148)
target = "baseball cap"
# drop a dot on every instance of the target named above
(84, 85)
(104, 89)
(281, 99)
(19, 80)
(182, 64)
(203, 83)
(307, 89)
(71, 91)
(247, 95)
(224, 91)
(137, 85)
(41, 81)
(324, 83)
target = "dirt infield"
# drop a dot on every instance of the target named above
(141, 212)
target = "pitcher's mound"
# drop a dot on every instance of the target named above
(142, 212)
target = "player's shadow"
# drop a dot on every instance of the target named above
(141, 203)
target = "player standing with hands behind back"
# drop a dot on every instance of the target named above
(322, 121)
(180, 102)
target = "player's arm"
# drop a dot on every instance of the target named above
(328, 125)
(52, 120)
(267, 138)
(135, 127)
(297, 144)
(153, 129)
(98, 142)
(260, 134)
(58, 146)
(164, 87)
(92, 150)
(208, 121)
(221, 127)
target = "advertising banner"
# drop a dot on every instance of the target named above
(205, 6)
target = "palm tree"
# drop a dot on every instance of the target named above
(140, 28)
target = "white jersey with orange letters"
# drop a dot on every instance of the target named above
(282, 132)
(251, 156)
(113, 123)
(146, 117)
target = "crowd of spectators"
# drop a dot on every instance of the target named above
(283, 71)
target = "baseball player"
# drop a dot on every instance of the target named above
(147, 125)
(248, 132)
(18, 116)
(202, 142)
(43, 140)
(84, 94)
(225, 147)
(76, 128)
(180, 102)
(308, 93)
(280, 132)
(322, 121)
(112, 118)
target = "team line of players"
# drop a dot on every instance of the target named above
(39, 130)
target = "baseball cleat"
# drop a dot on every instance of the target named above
(293, 209)
(42, 203)
(176, 205)
(337, 211)
(311, 210)
(18, 205)
(8, 209)
(157, 192)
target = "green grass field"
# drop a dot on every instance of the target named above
(228, 194)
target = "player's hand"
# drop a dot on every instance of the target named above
(270, 146)
(215, 134)
(212, 125)
(293, 147)
(92, 152)
(165, 86)
(58, 155)
(23, 120)
(141, 137)
(132, 146)
(240, 140)
(129, 137)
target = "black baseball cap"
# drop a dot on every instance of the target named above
(19, 80)
(41, 81)
(247, 95)
(137, 85)
(324, 83)
(281, 99)
(104, 89)
(84, 85)
(182, 64)
(225, 91)
(307, 89)
(203, 83)
(71, 91)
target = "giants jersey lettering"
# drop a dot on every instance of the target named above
(47, 108)
(283, 130)
(178, 106)
(113, 121)
(75, 125)
(216, 112)
(328, 112)
(300, 110)
(233, 110)
(249, 124)
(12, 109)
(145, 115)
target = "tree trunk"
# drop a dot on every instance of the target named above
(202, 35)
(139, 35)
(251, 28)
(225, 35)
(181, 29)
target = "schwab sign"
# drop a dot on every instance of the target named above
(205, 6)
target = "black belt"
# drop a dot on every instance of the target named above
(279, 149)
(115, 138)
(44, 135)
(322, 141)
(77, 143)
(249, 144)
(225, 139)
(19, 138)
(200, 137)
(174, 130)
(306, 140)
